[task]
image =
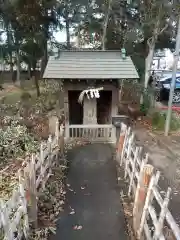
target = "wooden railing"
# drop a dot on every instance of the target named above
(21, 208)
(105, 133)
(14, 223)
(143, 187)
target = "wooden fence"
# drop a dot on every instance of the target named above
(148, 222)
(96, 132)
(21, 209)
(13, 216)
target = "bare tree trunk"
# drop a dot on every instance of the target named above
(106, 25)
(79, 38)
(11, 66)
(44, 58)
(9, 42)
(151, 44)
(18, 67)
(68, 39)
(148, 62)
(29, 71)
(175, 63)
(36, 83)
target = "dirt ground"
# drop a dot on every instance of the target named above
(164, 155)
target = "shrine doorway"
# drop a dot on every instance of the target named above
(75, 109)
(104, 107)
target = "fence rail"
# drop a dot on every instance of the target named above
(96, 132)
(21, 208)
(143, 186)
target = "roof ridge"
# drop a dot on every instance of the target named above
(89, 50)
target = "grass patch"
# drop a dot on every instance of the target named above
(15, 96)
(12, 97)
(159, 119)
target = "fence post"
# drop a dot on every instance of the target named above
(113, 135)
(41, 158)
(30, 176)
(127, 159)
(5, 221)
(57, 132)
(121, 140)
(50, 149)
(137, 153)
(61, 139)
(149, 197)
(26, 220)
(24, 204)
(160, 223)
(141, 191)
(127, 134)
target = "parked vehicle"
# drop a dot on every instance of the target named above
(163, 86)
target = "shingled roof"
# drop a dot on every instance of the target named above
(90, 65)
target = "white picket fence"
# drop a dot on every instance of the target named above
(94, 133)
(21, 208)
(13, 216)
(152, 224)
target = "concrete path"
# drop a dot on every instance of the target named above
(93, 210)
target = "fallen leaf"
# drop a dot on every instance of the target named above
(72, 212)
(72, 209)
(53, 230)
(61, 202)
(77, 227)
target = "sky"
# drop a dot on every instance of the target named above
(60, 36)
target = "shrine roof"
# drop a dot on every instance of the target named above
(90, 64)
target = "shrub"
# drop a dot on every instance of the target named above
(16, 141)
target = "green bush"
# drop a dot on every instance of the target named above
(16, 141)
(159, 120)
(148, 95)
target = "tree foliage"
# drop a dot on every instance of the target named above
(29, 27)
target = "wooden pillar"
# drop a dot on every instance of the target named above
(66, 113)
(115, 100)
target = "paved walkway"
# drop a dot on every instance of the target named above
(93, 210)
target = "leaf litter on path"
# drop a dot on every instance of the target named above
(72, 212)
(77, 227)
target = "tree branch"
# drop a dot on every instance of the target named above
(164, 28)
